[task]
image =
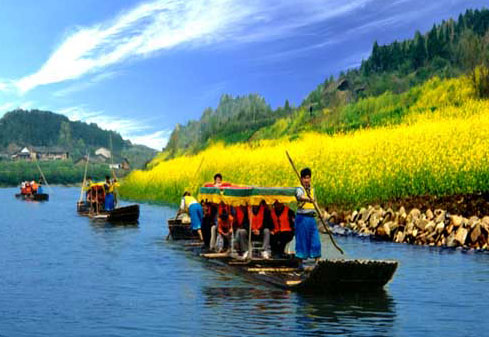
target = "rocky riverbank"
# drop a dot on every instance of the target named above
(431, 227)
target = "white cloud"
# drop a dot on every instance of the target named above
(165, 24)
(143, 30)
(156, 140)
(132, 129)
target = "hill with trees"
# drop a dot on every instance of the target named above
(38, 128)
(342, 104)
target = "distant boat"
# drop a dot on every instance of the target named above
(33, 196)
(94, 206)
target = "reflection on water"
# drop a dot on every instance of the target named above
(270, 310)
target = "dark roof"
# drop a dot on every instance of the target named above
(46, 149)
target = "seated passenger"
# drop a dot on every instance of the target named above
(28, 188)
(221, 209)
(283, 228)
(241, 226)
(225, 230)
(34, 186)
(261, 226)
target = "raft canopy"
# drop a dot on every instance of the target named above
(239, 195)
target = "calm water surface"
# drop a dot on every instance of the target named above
(63, 275)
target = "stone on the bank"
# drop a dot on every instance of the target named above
(451, 240)
(461, 235)
(456, 220)
(440, 215)
(440, 227)
(421, 223)
(475, 232)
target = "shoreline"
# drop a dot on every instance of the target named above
(462, 223)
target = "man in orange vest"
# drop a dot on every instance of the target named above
(283, 228)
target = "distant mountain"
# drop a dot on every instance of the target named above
(20, 128)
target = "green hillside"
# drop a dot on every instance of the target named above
(392, 73)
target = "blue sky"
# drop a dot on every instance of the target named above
(140, 67)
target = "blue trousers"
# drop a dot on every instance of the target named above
(196, 216)
(109, 202)
(307, 243)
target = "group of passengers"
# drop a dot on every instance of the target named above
(225, 228)
(101, 196)
(31, 187)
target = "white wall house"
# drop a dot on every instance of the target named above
(103, 152)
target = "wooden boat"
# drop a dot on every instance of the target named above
(119, 215)
(124, 214)
(33, 197)
(328, 276)
(181, 231)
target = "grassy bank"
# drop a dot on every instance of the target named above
(439, 145)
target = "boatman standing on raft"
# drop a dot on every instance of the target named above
(307, 243)
(191, 206)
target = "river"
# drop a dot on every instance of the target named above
(64, 275)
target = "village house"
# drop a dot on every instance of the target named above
(103, 152)
(40, 153)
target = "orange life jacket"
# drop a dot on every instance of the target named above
(34, 187)
(257, 219)
(281, 223)
(224, 226)
(28, 189)
(223, 208)
(240, 216)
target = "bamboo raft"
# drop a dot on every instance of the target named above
(33, 197)
(328, 276)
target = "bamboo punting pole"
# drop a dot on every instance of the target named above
(42, 175)
(195, 176)
(84, 178)
(314, 203)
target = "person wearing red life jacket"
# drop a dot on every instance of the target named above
(283, 219)
(241, 226)
(221, 209)
(225, 230)
(28, 188)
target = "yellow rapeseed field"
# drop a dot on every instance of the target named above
(441, 148)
